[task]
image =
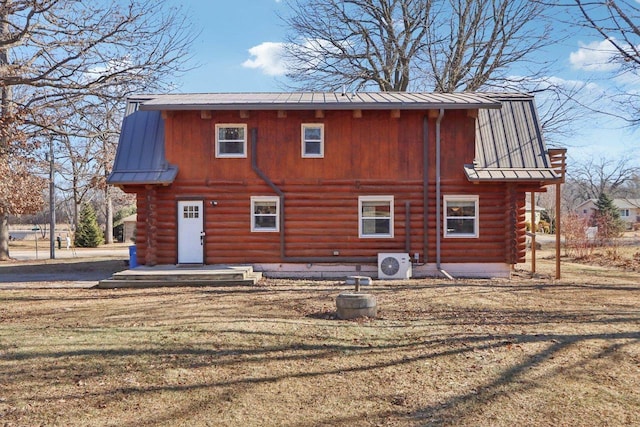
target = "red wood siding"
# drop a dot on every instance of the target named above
(372, 155)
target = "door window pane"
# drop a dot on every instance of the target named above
(191, 212)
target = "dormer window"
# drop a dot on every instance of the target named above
(231, 140)
(313, 140)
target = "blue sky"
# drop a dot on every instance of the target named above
(228, 30)
(237, 52)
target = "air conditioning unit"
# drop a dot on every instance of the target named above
(394, 266)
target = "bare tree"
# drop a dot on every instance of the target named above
(632, 189)
(398, 45)
(617, 22)
(57, 52)
(102, 121)
(559, 105)
(356, 42)
(474, 44)
(596, 176)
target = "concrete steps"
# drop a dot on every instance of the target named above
(171, 275)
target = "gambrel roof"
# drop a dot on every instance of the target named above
(509, 143)
(140, 157)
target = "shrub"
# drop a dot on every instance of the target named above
(607, 219)
(88, 234)
(576, 240)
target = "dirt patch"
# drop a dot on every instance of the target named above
(530, 351)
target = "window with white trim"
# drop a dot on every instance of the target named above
(375, 216)
(231, 140)
(313, 140)
(461, 216)
(624, 213)
(265, 213)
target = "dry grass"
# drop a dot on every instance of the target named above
(531, 351)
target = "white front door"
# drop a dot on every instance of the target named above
(190, 232)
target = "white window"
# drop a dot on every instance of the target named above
(231, 140)
(460, 216)
(313, 140)
(265, 213)
(375, 216)
(624, 212)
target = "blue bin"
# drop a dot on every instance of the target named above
(133, 257)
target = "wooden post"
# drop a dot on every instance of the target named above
(558, 157)
(533, 232)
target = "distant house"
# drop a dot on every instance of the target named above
(629, 210)
(125, 229)
(324, 184)
(129, 231)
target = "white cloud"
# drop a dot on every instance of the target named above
(603, 56)
(271, 59)
(595, 56)
(268, 57)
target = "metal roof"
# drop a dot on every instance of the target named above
(319, 100)
(626, 203)
(140, 156)
(509, 144)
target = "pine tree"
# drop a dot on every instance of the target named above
(607, 218)
(88, 234)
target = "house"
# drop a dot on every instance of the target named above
(129, 228)
(321, 184)
(629, 210)
(125, 229)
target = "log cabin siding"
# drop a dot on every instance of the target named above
(377, 154)
(316, 224)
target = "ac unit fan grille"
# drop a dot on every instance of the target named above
(390, 266)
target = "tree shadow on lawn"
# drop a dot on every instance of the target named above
(445, 412)
(512, 379)
(457, 407)
(514, 285)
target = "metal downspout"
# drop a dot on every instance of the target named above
(274, 187)
(438, 197)
(425, 187)
(280, 193)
